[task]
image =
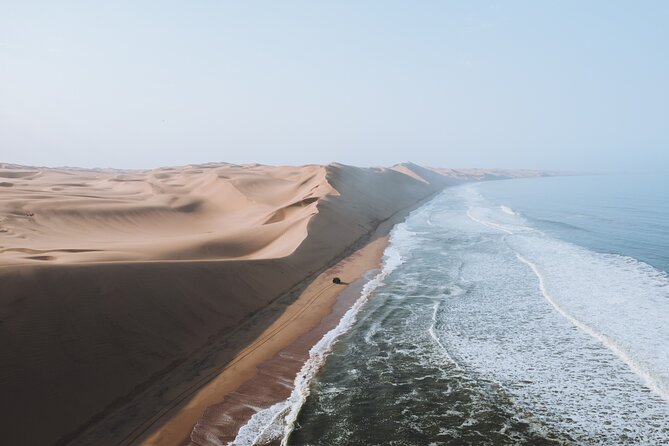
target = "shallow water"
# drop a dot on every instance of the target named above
(516, 312)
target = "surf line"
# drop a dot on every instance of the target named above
(435, 338)
(279, 421)
(649, 380)
(487, 223)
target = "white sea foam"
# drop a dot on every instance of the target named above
(655, 383)
(264, 426)
(578, 338)
(489, 224)
(433, 334)
(508, 210)
(606, 281)
(278, 421)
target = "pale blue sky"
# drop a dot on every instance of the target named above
(544, 84)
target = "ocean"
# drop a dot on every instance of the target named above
(530, 311)
(517, 312)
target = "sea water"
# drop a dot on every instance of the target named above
(530, 311)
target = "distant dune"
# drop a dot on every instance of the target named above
(110, 279)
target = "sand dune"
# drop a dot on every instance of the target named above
(111, 280)
(190, 213)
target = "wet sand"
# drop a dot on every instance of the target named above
(262, 374)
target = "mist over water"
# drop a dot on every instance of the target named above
(509, 321)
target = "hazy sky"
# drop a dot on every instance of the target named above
(545, 84)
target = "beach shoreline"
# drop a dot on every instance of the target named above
(262, 373)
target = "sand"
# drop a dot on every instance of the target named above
(126, 294)
(262, 373)
(189, 213)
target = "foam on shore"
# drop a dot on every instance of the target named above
(278, 421)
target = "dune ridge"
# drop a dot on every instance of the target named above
(111, 280)
(190, 213)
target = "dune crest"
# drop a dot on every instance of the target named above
(191, 213)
